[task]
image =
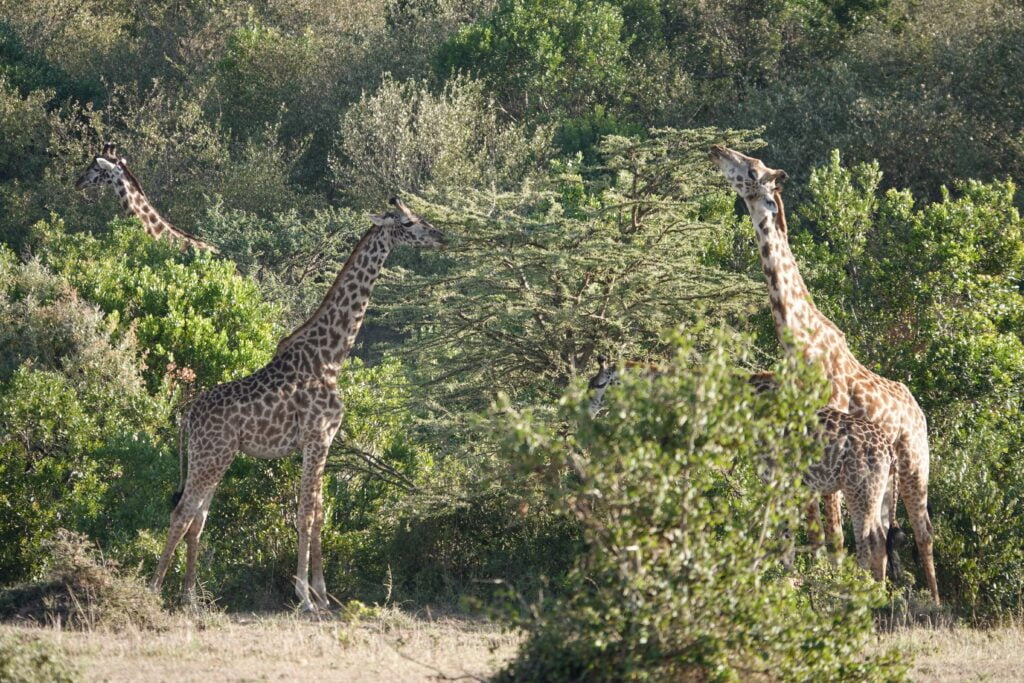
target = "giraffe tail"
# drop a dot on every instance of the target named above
(894, 536)
(182, 431)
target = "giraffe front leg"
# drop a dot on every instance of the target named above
(314, 457)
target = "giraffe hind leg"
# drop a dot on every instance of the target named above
(181, 519)
(834, 522)
(914, 485)
(191, 510)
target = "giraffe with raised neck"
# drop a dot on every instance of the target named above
(800, 325)
(857, 459)
(290, 404)
(107, 168)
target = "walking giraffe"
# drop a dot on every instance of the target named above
(855, 389)
(858, 460)
(291, 403)
(107, 169)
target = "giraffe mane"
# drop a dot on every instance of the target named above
(130, 177)
(283, 344)
(782, 213)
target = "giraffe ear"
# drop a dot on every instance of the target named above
(378, 219)
(105, 164)
(781, 177)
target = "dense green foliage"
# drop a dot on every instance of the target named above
(682, 574)
(561, 146)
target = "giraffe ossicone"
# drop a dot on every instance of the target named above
(289, 404)
(802, 328)
(107, 168)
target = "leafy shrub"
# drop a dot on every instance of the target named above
(547, 56)
(68, 389)
(597, 258)
(186, 309)
(44, 459)
(680, 578)
(405, 138)
(24, 659)
(928, 108)
(264, 73)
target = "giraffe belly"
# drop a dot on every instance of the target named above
(277, 441)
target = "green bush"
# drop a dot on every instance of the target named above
(682, 573)
(547, 57)
(403, 137)
(930, 109)
(68, 389)
(25, 659)
(186, 309)
(595, 259)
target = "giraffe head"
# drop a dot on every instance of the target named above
(606, 374)
(753, 181)
(104, 169)
(405, 227)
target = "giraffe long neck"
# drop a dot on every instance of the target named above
(793, 311)
(322, 343)
(134, 201)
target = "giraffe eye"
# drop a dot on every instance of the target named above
(751, 174)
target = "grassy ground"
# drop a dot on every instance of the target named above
(394, 646)
(962, 654)
(390, 647)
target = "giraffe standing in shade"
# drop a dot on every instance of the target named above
(857, 459)
(107, 169)
(291, 403)
(855, 389)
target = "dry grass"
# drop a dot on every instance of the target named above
(962, 654)
(391, 646)
(395, 646)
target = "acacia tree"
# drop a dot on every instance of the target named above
(597, 259)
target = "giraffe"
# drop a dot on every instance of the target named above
(799, 324)
(107, 168)
(289, 404)
(858, 459)
(599, 383)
